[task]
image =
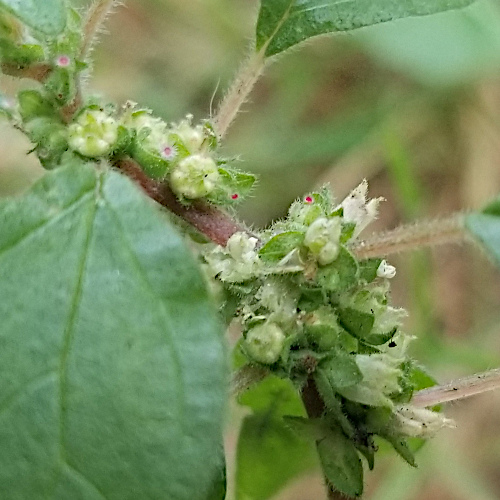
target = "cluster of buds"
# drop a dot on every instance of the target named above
(310, 309)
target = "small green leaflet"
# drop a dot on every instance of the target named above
(281, 245)
(285, 23)
(341, 464)
(45, 16)
(485, 227)
(112, 367)
(270, 453)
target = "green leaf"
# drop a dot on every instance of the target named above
(341, 370)
(485, 227)
(112, 370)
(218, 489)
(281, 245)
(45, 16)
(368, 269)
(341, 464)
(359, 324)
(285, 23)
(341, 274)
(270, 453)
(233, 186)
(453, 49)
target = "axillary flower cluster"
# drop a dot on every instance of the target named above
(309, 310)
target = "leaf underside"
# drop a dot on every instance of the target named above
(111, 365)
(485, 227)
(285, 23)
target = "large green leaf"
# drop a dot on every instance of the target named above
(270, 453)
(285, 23)
(112, 375)
(45, 16)
(454, 48)
(485, 227)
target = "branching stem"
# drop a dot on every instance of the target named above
(209, 220)
(458, 389)
(411, 237)
(238, 92)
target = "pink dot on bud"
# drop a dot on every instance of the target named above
(308, 199)
(168, 152)
(235, 196)
(63, 61)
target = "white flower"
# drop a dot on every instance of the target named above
(385, 270)
(419, 422)
(237, 262)
(357, 210)
(323, 239)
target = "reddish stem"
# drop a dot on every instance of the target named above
(209, 220)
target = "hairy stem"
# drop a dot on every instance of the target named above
(246, 377)
(411, 237)
(458, 389)
(238, 92)
(94, 20)
(315, 407)
(209, 220)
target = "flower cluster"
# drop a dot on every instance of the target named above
(311, 311)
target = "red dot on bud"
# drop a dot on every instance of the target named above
(63, 61)
(235, 196)
(308, 199)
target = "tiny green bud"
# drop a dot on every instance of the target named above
(93, 134)
(322, 238)
(194, 177)
(191, 137)
(264, 343)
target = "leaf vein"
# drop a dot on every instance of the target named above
(45, 223)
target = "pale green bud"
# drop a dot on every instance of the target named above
(191, 136)
(194, 177)
(264, 343)
(323, 239)
(93, 134)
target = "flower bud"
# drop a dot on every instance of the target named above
(358, 210)
(94, 133)
(192, 137)
(264, 343)
(322, 238)
(194, 177)
(385, 270)
(419, 422)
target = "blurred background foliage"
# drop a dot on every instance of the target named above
(412, 106)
